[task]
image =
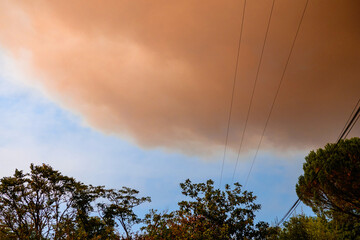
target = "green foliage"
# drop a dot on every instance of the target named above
(175, 225)
(336, 189)
(212, 214)
(302, 227)
(334, 194)
(319, 228)
(44, 204)
(344, 226)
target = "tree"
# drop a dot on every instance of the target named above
(44, 204)
(119, 209)
(335, 189)
(175, 225)
(303, 227)
(212, 214)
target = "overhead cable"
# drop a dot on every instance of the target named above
(278, 89)
(354, 116)
(233, 91)
(253, 90)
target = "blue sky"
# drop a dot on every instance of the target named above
(36, 130)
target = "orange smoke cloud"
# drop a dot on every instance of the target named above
(161, 72)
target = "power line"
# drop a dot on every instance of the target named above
(351, 123)
(347, 128)
(291, 210)
(253, 90)
(277, 91)
(233, 91)
(342, 130)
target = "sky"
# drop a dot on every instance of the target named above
(137, 93)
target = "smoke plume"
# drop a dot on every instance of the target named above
(161, 72)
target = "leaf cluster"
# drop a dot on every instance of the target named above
(209, 214)
(44, 204)
(330, 183)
